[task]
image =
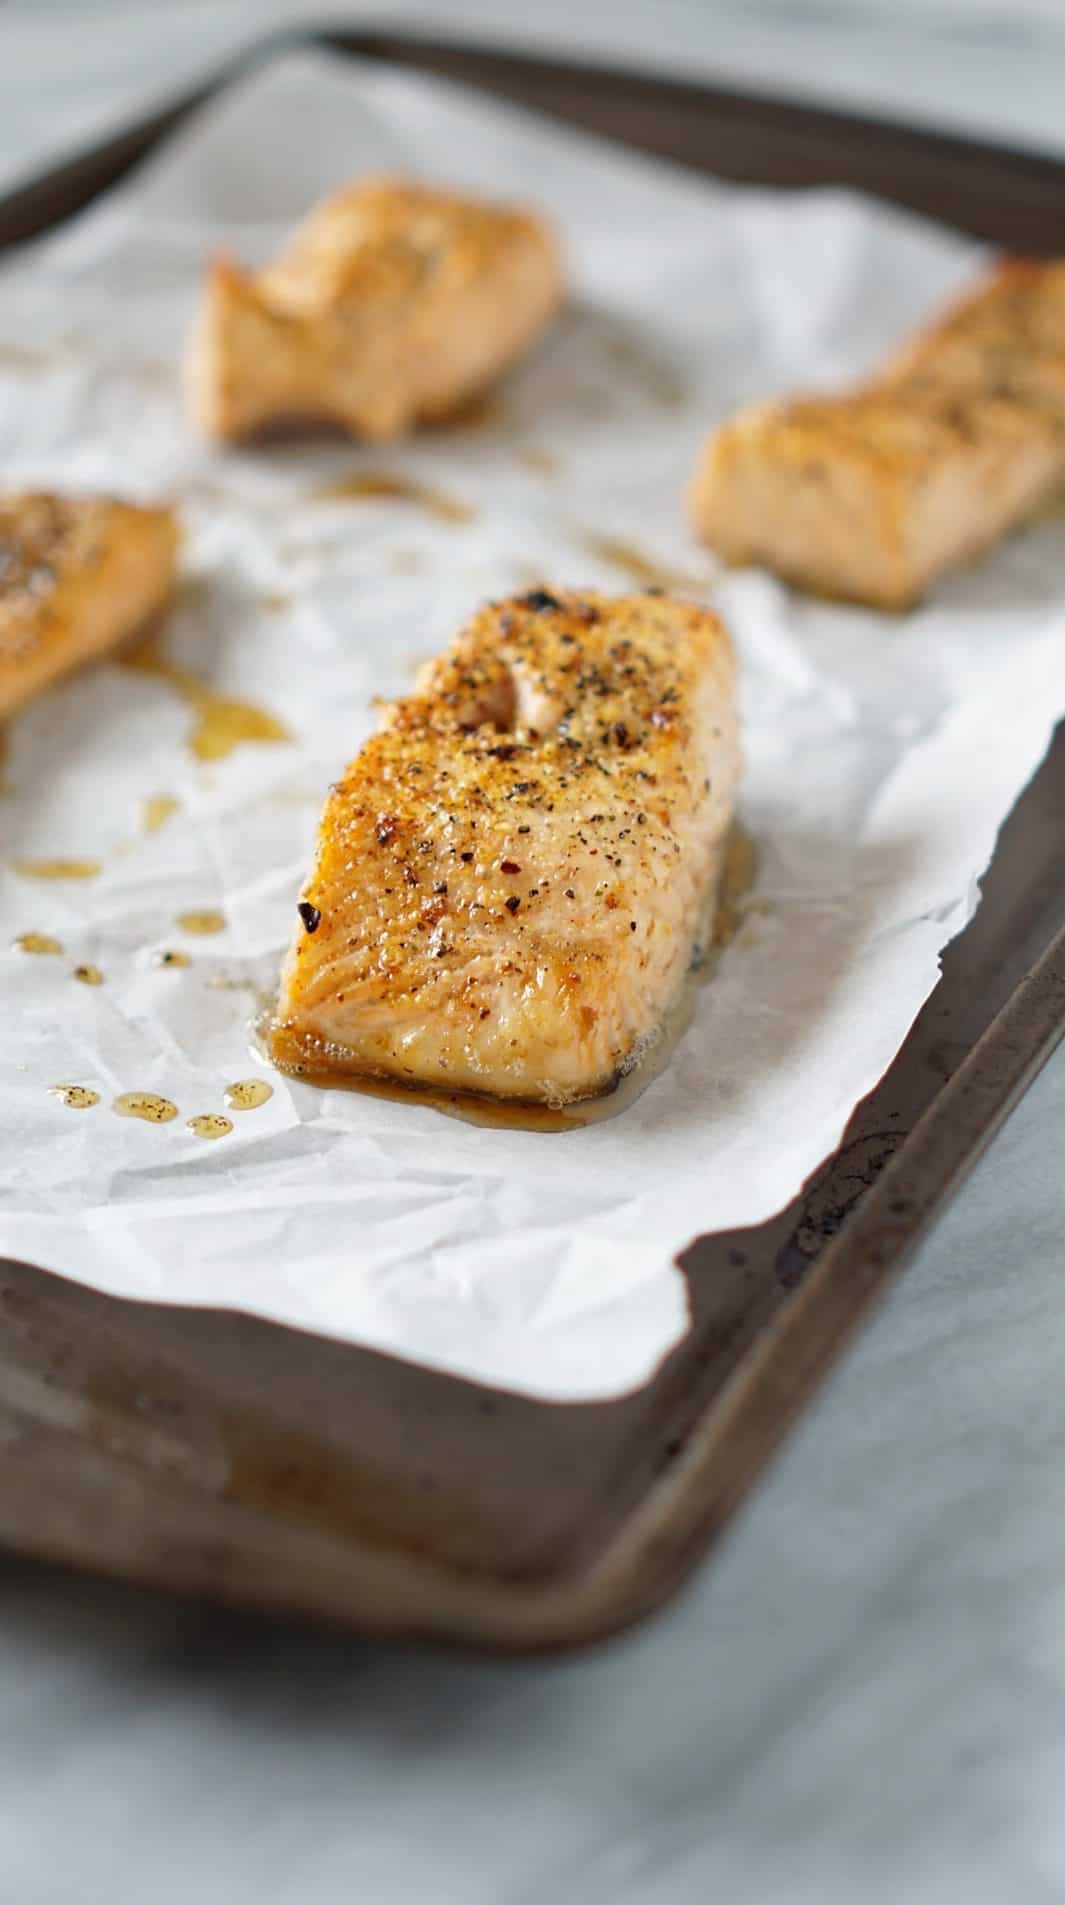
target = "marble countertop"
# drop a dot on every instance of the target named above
(862, 1696)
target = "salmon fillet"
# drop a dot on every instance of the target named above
(512, 875)
(394, 303)
(77, 576)
(1006, 337)
(872, 495)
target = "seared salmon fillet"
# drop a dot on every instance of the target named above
(512, 875)
(1005, 337)
(394, 303)
(77, 576)
(872, 495)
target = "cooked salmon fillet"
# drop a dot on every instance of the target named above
(394, 303)
(1005, 337)
(872, 495)
(77, 576)
(512, 875)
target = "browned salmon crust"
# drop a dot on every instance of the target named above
(872, 495)
(78, 575)
(511, 877)
(394, 303)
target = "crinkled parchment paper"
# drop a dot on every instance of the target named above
(882, 755)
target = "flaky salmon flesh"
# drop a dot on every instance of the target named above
(78, 576)
(872, 495)
(512, 875)
(393, 304)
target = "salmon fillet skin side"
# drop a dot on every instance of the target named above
(872, 495)
(512, 876)
(393, 304)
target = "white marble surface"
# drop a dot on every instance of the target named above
(863, 1695)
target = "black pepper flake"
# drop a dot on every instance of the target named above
(467, 857)
(512, 904)
(386, 828)
(524, 829)
(641, 820)
(504, 753)
(540, 599)
(570, 894)
(310, 915)
(440, 887)
(521, 787)
(632, 925)
(410, 876)
(509, 866)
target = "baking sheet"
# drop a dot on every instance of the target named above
(881, 755)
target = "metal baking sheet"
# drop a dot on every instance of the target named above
(220, 1454)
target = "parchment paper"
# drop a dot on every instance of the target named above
(882, 755)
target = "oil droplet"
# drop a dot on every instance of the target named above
(156, 810)
(535, 457)
(204, 920)
(37, 943)
(222, 724)
(57, 869)
(173, 957)
(147, 1105)
(378, 486)
(89, 975)
(209, 1124)
(78, 1097)
(247, 1094)
(638, 564)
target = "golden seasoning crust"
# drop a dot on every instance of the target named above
(1007, 337)
(871, 495)
(510, 877)
(77, 577)
(393, 303)
(381, 239)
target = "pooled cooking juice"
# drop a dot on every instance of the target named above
(37, 943)
(247, 1094)
(375, 486)
(60, 869)
(78, 1097)
(147, 1105)
(209, 1124)
(201, 921)
(222, 723)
